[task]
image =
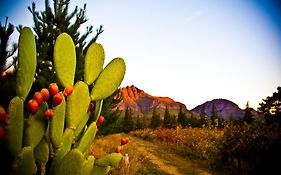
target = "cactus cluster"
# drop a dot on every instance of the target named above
(54, 138)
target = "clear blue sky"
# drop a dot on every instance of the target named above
(190, 50)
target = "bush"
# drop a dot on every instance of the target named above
(251, 149)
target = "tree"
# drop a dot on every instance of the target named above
(173, 121)
(182, 119)
(248, 117)
(138, 123)
(48, 24)
(193, 121)
(128, 123)
(203, 117)
(214, 116)
(7, 60)
(155, 119)
(221, 122)
(5, 53)
(143, 122)
(271, 108)
(167, 119)
(111, 113)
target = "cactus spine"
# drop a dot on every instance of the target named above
(59, 145)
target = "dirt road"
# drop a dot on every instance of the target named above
(166, 162)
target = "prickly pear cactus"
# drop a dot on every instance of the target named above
(53, 136)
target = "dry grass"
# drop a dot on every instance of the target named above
(138, 164)
(145, 157)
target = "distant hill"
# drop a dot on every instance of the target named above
(225, 109)
(142, 103)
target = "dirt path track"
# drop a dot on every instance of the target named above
(166, 161)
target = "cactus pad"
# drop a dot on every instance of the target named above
(109, 79)
(77, 105)
(72, 163)
(25, 163)
(67, 140)
(57, 124)
(81, 125)
(94, 61)
(26, 62)
(100, 170)
(41, 152)
(88, 138)
(36, 127)
(88, 165)
(15, 125)
(112, 159)
(65, 59)
(98, 109)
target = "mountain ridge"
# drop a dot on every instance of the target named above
(142, 103)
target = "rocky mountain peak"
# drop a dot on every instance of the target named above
(142, 102)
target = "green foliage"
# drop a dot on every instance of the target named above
(204, 121)
(139, 125)
(54, 146)
(182, 119)
(168, 120)
(48, 25)
(251, 149)
(7, 61)
(111, 113)
(128, 122)
(271, 108)
(6, 31)
(155, 119)
(214, 116)
(248, 117)
(173, 121)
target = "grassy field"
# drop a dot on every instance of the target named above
(147, 158)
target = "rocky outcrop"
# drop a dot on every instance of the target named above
(142, 102)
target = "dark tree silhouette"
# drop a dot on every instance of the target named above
(155, 119)
(271, 108)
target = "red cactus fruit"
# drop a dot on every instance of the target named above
(49, 114)
(3, 133)
(45, 93)
(100, 120)
(91, 107)
(127, 140)
(68, 91)
(38, 96)
(53, 89)
(57, 99)
(3, 115)
(118, 149)
(124, 141)
(32, 106)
